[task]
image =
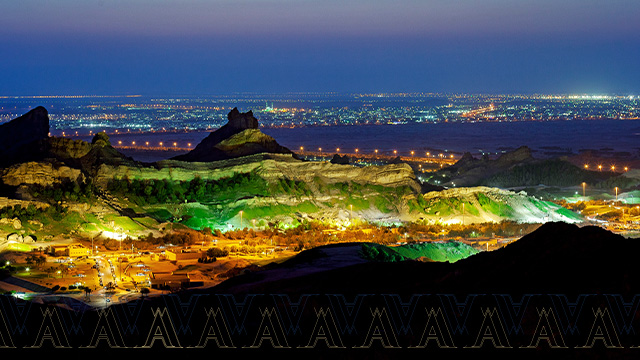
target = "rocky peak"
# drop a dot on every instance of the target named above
(516, 156)
(239, 137)
(466, 156)
(101, 139)
(241, 121)
(342, 160)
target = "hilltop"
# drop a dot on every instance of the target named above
(239, 137)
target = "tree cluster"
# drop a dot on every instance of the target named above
(150, 191)
(66, 190)
(55, 212)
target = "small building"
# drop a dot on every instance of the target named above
(72, 250)
(76, 250)
(58, 250)
(180, 255)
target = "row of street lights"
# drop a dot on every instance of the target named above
(613, 167)
(146, 143)
(395, 152)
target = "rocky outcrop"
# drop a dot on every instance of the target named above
(65, 148)
(20, 137)
(469, 171)
(239, 137)
(102, 153)
(486, 204)
(396, 160)
(39, 173)
(340, 160)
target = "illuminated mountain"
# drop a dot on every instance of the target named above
(239, 137)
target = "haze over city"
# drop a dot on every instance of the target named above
(213, 47)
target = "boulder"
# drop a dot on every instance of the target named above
(14, 237)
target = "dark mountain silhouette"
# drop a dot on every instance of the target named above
(469, 171)
(19, 137)
(239, 137)
(556, 258)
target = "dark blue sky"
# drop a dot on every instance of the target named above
(223, 46)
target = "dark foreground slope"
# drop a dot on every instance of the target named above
(557, 257)
(19, 138)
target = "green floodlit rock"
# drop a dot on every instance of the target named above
(451, 251)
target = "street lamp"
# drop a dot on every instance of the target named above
(463, 214)
(583, 188)
(616, 194)
(600, 167)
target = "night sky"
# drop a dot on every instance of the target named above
(222, 46)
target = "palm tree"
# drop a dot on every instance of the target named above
(87, 292)
(63, 269)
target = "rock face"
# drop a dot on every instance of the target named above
(39, 173)
(269, 166)
(19, 137)
(239, 137)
